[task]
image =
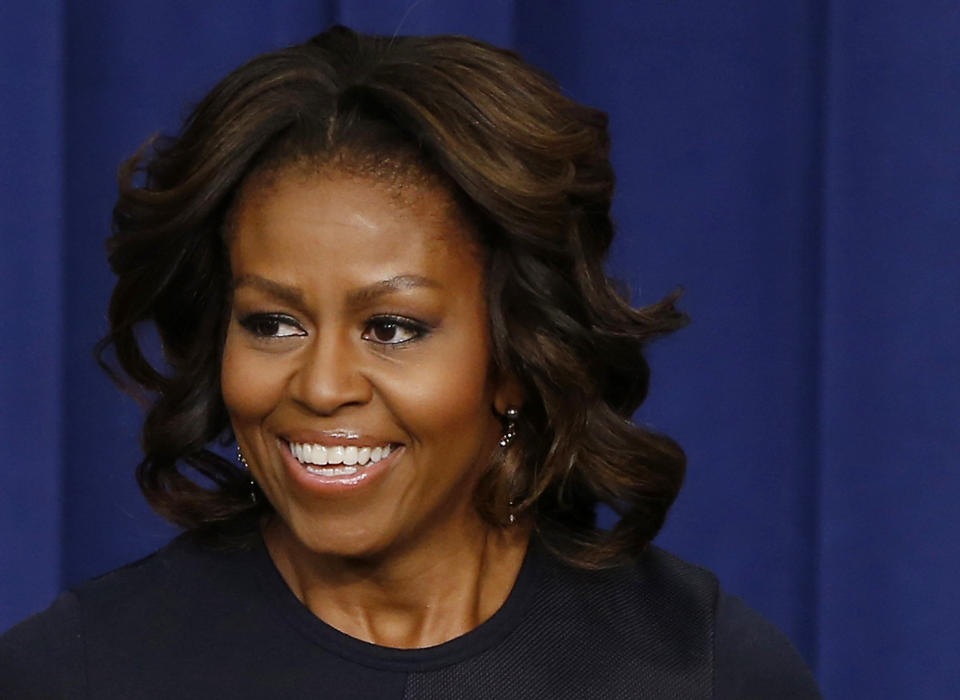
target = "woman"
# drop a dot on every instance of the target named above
(377, 263)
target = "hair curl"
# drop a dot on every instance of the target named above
(527, 164)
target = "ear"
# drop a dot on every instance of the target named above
(509, 393)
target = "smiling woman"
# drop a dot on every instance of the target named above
(377, 265)
(359, 323)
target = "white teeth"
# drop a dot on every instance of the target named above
(332, 471)
(346, 455)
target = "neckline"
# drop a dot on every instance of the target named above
(470, 644)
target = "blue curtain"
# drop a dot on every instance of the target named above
(793, 164)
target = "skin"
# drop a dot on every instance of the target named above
(403, 559)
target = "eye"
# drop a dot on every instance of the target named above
(272, 325)
(393, 330)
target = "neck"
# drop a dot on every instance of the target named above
(420, 597)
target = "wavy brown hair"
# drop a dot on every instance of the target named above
(530, 169)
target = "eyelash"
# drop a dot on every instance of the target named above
(417, 328)
(253, 324)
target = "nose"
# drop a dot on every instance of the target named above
(330, 376)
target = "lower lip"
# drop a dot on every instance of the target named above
(319, 483)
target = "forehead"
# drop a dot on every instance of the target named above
(358, 228)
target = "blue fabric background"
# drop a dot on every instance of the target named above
(794, 164)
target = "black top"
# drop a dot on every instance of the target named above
(188, 622)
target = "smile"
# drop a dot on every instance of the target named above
(337, 460)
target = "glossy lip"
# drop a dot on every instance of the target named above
(335, 437)
(319, 484)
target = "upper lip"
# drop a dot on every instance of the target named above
(336, 437)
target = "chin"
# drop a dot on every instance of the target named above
(338, 537)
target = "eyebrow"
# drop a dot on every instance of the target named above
(355, 298)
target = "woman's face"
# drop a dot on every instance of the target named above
(356, 368)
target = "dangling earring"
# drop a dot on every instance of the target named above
(253, 484)
(509, 433)
(510, 430)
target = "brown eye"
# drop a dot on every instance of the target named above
(265, 326)
(385, 332)
(393, 331)
(271, 326)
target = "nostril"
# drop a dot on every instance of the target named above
(330, 378)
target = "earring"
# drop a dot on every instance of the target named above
(253, 484)
(510, 431)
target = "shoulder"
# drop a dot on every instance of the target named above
(645, 625)
(108, 620)
(42, 657)
(754, 659)
(161, 582)
(671, 618)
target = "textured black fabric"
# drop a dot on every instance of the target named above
(642, 632)
(184, 623)
(192, 623)
(42, 657)
(751, 655)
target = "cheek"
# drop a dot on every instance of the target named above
(249, 386)
(447, 397)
